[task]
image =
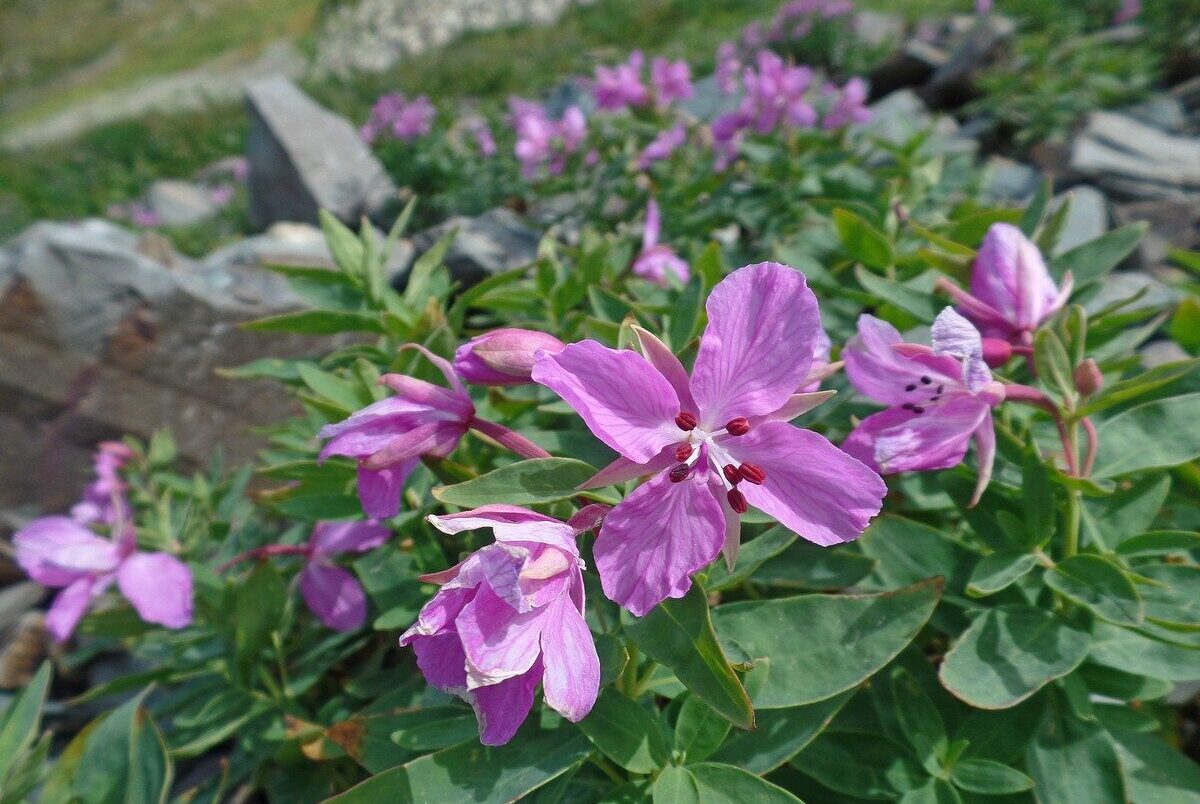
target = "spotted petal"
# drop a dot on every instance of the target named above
(881, 370)
(898, 440)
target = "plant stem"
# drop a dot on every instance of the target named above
(603, 764)
(629, 676)
(1071, 537)
(264, 552)
(509, 439)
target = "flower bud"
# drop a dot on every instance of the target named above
(503, 356)
(1088, 379)
(996, 352)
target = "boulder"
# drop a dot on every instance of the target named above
(298, 244)
(99, 340)
(180, 203)
(486, 244)
(1086, 220)
(1008, 181)
(1134, 161)
(303, 158)
(1164, 112)
(1173, 224)
(973, 43)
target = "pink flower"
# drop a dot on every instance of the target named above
(1128, 11)
(672, 80)
(503, 356)
(508, 617)
(221, 195)
(389, 437)
(821, 366)
(58, 552)
(103, 500)
(729, 65)
(141, 215)
(983, 7)
(940, 398)
(1012, 293)
(482, 133)
(657, 261)
(333, 594)
(621, 86)
(406, 120)
(716, 442)
(849, 108)
(662, 146)
(542, 142)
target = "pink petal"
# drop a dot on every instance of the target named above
(502, 708)
(732, 543)
(653, 226)
(438, 615)
(623, 469)
(378, 418)
(510, 523)
(442, 662)
(898, 440)
(433, 438)
(623, 399)
(443, 365)
(68, 609)
(882, 371)
(160, 588)
(334, 596)
(985, 452)
(56, 551)
(796, 405)
(1010, 276)
(379, 489)
(758, 345)
(572, 676)
(330, 538)
(655, 538)
(987, 318)
(659, 355)
(499, 643)
(812, 487)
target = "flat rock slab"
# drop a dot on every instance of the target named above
(1086, 220)
(1137, 161)
(303, 158)
(487, 244)
(180, 203)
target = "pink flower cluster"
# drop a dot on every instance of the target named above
(542, 143)
(404, 119)
(622, 86)
(795, 20)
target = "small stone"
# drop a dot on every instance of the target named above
(180, 203)
(1086, 220)
(487, 244)
(1010, 182)
(1173, 224)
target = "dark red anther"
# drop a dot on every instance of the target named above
(752, 473)
(679, 472)
(737, 501)
(683, 452)
(731, 473)
(686, 421)
(738, 427)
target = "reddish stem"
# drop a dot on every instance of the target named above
(1032, 396)
(509, 439)
(259, 553)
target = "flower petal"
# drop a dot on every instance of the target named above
(334, 596)
(623, 469)
(442, 662)
(1010, 276)
(659, 355)
(502, 708)
(379, 489)
(159, 586)
(812, 487)
(572, 667)
(758, 345)
(623, 399)
(499, 642)
(433, 438)
(898, 440)
(510, 523)
(330, 538)
(955, 336)
(985, 452)
(438, 615)
(57, 551)
(655, 538)
(68, 609)
(883, 372)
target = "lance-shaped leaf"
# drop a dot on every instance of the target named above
(1100, 585)
(625, 733)
(537, 480)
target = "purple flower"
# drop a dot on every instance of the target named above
(672, 80)
(821, 366)
(662, 146)
(333, 594)
(621, 86)
(141, 215)
(503, 356)
(508, 617)
(482, 133)
(939, 398)
(406, 120)
(1012, 293)
(542, 142)
(716, 442)
(60, 553)
(1128, 11)
(849, 108)
(103, 500)
(983, 7)
(221, 195)
(389, 437)
(657, 261)
(729, 66)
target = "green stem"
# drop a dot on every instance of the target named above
(603, 764)
(1071, 537)
(629, 676)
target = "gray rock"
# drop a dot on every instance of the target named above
(99, 340)
(303, 157)
(1121, 285)
(1164, 112)
(708, 102)
(16, 600)
(180, 203)
(1136, 161)
(911, 65)
(567, 94)
(1173, 224)
(979, 40)
(487, 244)
(902, 115)
(876, 29)
(1188, 93)
(1086, 220)
(1158, 353)
(1008, 181)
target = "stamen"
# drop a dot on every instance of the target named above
(679, 473)
(687, 421)
(738, 427)
(683, 452)
(737, 501)
(941, 389)
(731, 473)
(752, 473)
(912, 386)
(926, 381)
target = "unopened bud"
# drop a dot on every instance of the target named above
(996, 352)
(1088, 379)
(503, 356)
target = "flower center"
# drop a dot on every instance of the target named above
(924, 394)
(700, 442)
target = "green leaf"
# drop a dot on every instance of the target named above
(920, 305)
(537, 480)
(998, 570)
(860, 764)
(124, 760)
(699, 731)
(779, 734)
(685, 314)
(1157, 434)
(1143, 383)
(1009, 653)
(1185, 324)
(344, 245)
(676, 785)
(752, 555)
(258, 603)
(21, 719)
(269, 367)
(988, 778)
(438, 734)
(678, 633)
(834, 642)
(316, 322)
(1093, 259)
(1127, 512)
(1074, 760)
(1173, 596)
(919, 720)
(803, 565)
(1036, 210)
(725, 784)
(1100, 585)
(330, 387)
(420, 278)
(1132, 652)
(1156, 772)
(908, 552)
(625, 733)
(476, 773)
(1159, 542)
(934, 791)
(862, 241)
(709, 265)
(1053, 365)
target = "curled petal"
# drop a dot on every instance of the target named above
(334, 596)
(510, 523)
(442, 662)
(502, 708)
(160, 588)
(882, 367)
(985, 451)
(499, 642)
(572, 667)
(898, 440)
(57, 551)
